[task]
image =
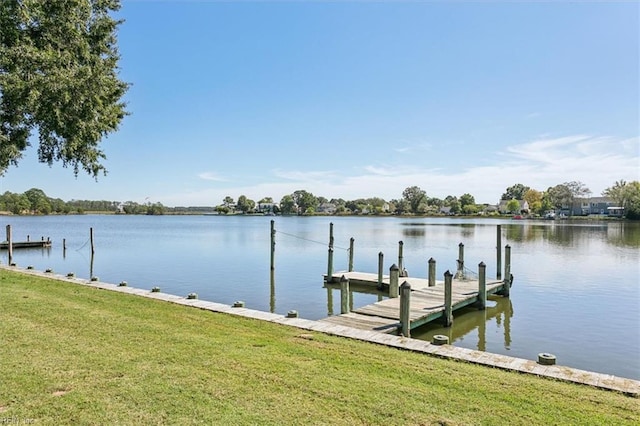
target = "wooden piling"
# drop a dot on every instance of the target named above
(331, 235)
(273, 246)
(380, 269)
(28, 238)
(330, 266)
(351, 241)
(91, 238)
(507, 270)
(448, 299)
(401, 258)
(10, 244)
(344, 295)
(394, 277)
(405, 308)
(432, 272)
(499, 252)
(482, 285)
(460, 272)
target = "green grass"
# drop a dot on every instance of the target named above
(72, 354)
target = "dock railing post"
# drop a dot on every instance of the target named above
(460, 272)
(344, 295)
(499, 253)
(394, 277)
(448, 305)
(432, 272)
(507, 270)
(380, 269)
(351, 241)
(405, 308)
(401, 258)
(330, 266)
(482, 285)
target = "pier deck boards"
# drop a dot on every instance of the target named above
(427, 303)
(26, 244)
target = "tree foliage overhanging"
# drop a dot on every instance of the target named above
(59, 78)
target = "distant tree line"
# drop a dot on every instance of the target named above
(414, 201)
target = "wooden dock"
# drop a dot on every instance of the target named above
(26, 244)
(427, 303)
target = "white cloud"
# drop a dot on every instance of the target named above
(598, 162)
(211, 176)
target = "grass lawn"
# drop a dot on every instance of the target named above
(71, 354)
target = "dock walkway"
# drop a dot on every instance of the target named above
(25, 244)
(427, 304)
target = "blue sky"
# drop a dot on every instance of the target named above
(361, 99)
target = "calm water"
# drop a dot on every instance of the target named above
(576, 292)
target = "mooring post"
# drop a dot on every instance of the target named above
(10, 244)
(499, 252)
(507, 270)
(330, 266)
(329, 301)
(482, 285)
(344, 295)
(460, 272)
(28, 238)
(380, 269)
(405, 308)
(273, 246)
(351, 241)
(331, 235)
(448, 305)
(91, 238)
(432, 272)
(64, 245)
(394, 277)
(400, 257)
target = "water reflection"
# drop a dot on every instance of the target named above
(471, 320)
(467, 321)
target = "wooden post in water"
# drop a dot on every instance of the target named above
(344, 295)
(10, 244)
(91, 238)
(330, 266)
(499, 252)
(507, 270)
(28, 238)
(394, 277)
(351, 241)
(272, 271)
(405, 308)
(380, 271)
(460, 272)
(432, 272)
(400, 258)
(331, 235)
(448, 299)
(482, 285)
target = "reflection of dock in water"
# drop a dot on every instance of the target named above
(498, 309)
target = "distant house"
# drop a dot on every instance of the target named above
(266, 207)
(594, 205)
(445, 210)
(326, 208)
(524, 206)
